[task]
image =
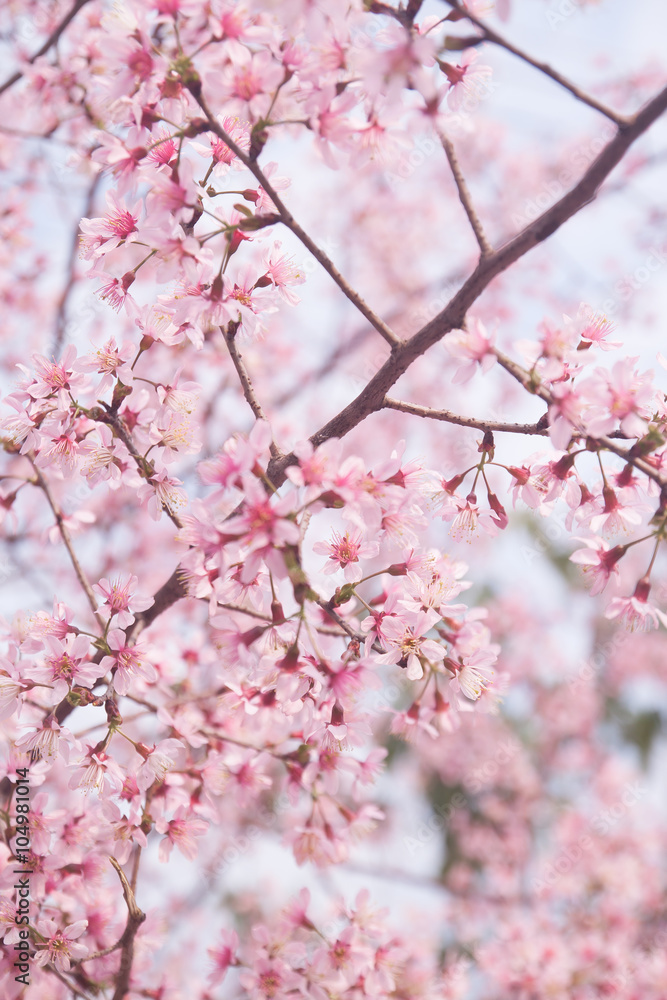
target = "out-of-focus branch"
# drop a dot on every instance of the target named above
(59, 326)
(288, 220)
(50, 41)
(489, 35)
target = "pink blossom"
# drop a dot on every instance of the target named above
(473, 346)
(344, 552)
(157, 761)
(598, 561)
(121, 601)
(180, 831)
(60, 945)
(635, 612)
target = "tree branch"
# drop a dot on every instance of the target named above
(371, 398)
(51, 40)
(59, 327)
(489, 35)
(453, 418)
(111, 418)
(135, 917)
(288, 220)
(464, 195)
(229, 333)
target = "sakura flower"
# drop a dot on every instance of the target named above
(409, 645)
(468, 82)
(344, 552)
(238, 131)
(340, 733)
(593, 329)
(180, 397)
(46, 742)
(271, 977)
(180, 831)
(599, 562)
(474, 347)
(619, 512)
(127, 661)
(119, 225)
(635, 612)
(66, 664)
(223, 955)
(283, 272)
(111, 362)
(475, 675)
(60, 945)
(163, 492)
(467, 518)
(120, 600)
(54, 378)
(97, 772)
(115, 291)
(157, 761)
(620, 395)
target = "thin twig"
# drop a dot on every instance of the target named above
(66, 537)
(135, 917)
(51, 40)
(115, 422)
(229, 334)
(464, 195)
(288, 220)
(490, 35)
(455, 418)
(540, 428)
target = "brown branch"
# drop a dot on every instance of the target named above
(490, 35)
(288, 220)
(111, 418)
(135, 917)
(464, 195)
(371, 398)
(454, 418)
(173, 590)
(229, 333)
(51, 40)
